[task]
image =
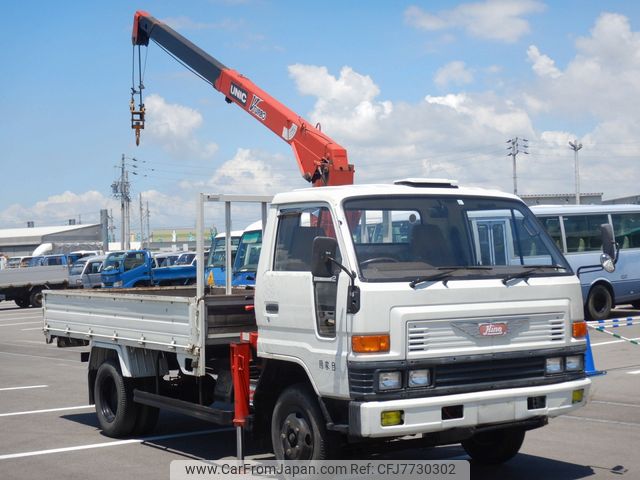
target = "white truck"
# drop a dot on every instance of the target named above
(377, 316)
(25, 285)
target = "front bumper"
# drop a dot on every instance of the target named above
(424, 415)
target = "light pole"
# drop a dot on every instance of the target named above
(575, 146)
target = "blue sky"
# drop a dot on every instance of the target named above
(409, 88)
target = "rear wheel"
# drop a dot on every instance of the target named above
(22, 302)
(36, 298)
(599, 303)
(114, 401)
(636, 304)
(494, 447)
(298, 430)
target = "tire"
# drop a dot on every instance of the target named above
(22, 302)
(636, 304)
(599, 303)
(298, 430)
(114, 401)
(36, 298)
(494, 447)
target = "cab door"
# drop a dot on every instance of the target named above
(305, 316)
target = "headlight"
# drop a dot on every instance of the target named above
(419, 378)
(389, 380)
(553, 365)
(574, 363)
(117, 284)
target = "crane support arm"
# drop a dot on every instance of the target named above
(320, 159)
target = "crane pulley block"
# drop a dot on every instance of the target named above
(137, 119)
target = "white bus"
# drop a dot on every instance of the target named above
(576, 231)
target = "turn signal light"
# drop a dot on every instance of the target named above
(370, 343)
(579, 329)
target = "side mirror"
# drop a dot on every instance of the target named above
(609, 255)
(322, 251)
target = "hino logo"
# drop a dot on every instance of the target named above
(493, 329)
(478, 328)
(256, 110)
(238, 93)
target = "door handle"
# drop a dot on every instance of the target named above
(272, 308)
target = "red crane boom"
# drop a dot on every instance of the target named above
(320, 159)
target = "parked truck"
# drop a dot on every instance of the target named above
(350, 337)
(138, 268)
(25, 285)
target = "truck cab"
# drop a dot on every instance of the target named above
(216, 268)
(245, 263)
(85, 272)
(126, 269)
(403, 324)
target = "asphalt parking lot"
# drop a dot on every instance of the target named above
(47, 428)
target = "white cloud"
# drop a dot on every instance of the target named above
(500, 20)
(174, 127)
(543, 65)
(453, 73)
(250, 171)
(58, 209)
(347, 102)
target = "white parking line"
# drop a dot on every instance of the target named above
(615, 404)
(23, 317)
(16, 324)
(635, 372)
(114, 443)
(28, 329)
(39, 356)
(61, 409)
(612, 341)
(22, 388)
(600, 420)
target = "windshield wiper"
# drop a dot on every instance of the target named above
(526, 274)
(445, 274)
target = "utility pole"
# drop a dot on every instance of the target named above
(141, 224)
(121, 190)
(149, 237)
(515, 144)
(575, 146)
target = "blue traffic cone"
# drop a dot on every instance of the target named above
(589, 365)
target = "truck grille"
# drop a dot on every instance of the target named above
(455, 374)
(434, 336)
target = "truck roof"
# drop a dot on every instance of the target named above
(423, 186)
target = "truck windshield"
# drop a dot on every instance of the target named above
(78, 267)
(113, 261)
(217, 257)
(248, 252)
(406, 238)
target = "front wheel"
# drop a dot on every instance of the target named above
(599, 303)
(494, 447)
(298, 430)
(115, 408)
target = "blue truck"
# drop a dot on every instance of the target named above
(215, 271)
(138, 268)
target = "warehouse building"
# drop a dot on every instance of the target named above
(63, 238)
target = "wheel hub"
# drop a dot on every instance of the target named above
(296, 436)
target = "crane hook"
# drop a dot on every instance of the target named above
(137, 118)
